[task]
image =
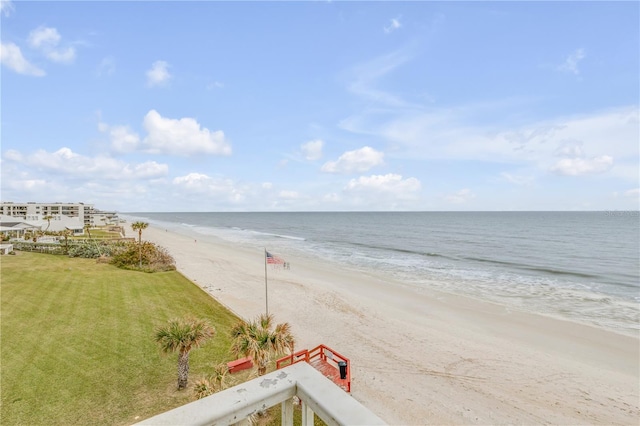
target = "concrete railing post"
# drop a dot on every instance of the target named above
(307, 415)
(287, 412)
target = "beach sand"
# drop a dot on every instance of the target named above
(423, 357)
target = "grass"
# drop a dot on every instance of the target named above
(98, 233)
(77, 341)
(275, 414)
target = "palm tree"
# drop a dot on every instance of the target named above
(48, 219)
(257, 339)
(139, 226)
(213, 383)
(88, 229)
(66, 233)
(181, 335)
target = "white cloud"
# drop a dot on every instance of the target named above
(182, 137)
(570, 64)
(389, 183)
(146, 170)
(575, 163)
(13, 155)
(632, 193)
(64, 56)
(107, 66)
(215, 85)
(267, 185)
(516, 179)
(28, 185)
(331, 197)
(365, 78)
(46, 39)
(158, 75)
(11, 57)
(582, 166)
(455, 134)
(570, 149)
(64, 162)
(197, 181)
(6, 7)
(289, 195)
(129, 187)
(201, 184)
(460, 197)
(123, 140)
(359, 160)
(394, 24)
(312, 150)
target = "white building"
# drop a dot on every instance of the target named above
(15, 228)
(58, 216)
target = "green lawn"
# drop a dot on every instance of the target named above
(77, 341)
(98, 234)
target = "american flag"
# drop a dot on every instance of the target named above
(274, 260)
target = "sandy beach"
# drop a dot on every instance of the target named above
(424, 357)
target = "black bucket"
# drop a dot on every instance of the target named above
(343, 369)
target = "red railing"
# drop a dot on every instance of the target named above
(294, 358)
(324, 354)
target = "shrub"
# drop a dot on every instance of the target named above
(154, 258)
(49, 248)
(88, 251)
(92, 249)
(216, 382)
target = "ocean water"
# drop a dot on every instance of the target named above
(580, 266)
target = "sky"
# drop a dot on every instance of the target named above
(321, 106)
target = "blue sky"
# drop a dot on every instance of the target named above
(316, 106)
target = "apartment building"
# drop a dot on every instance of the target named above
(58, 216)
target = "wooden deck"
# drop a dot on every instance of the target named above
(331, 372)
(323, 359)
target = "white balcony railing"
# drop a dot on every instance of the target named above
(318, 394)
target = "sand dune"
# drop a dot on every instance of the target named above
(423, 357)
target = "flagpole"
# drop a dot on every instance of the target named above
(266, 291)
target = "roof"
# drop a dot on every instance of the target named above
(12, 226)
(9, 224)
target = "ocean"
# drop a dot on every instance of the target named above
(578, 266)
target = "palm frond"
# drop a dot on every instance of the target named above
(183, 334)
(257, 340)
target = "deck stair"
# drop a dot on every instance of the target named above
(323, 359)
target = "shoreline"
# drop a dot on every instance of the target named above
(423, 357)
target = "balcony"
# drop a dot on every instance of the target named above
(318, 395)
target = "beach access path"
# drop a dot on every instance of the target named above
(424, 357)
